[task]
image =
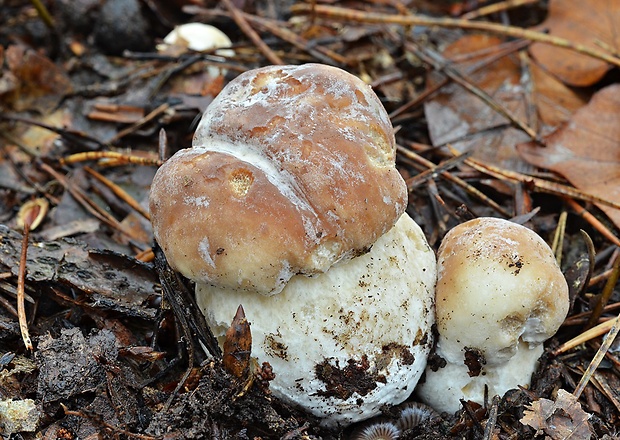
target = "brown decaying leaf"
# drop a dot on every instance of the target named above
(238, 345)
(560, 420)
(458, 117)
(591, 23)
(42, 85)
(555, 102)
(586, 151)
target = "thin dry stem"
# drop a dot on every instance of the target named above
(238, 17)
(119, 192)
(345, 14)
(21, 287)
(598, 357)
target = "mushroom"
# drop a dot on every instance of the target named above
(289, 203)
(201, 38)
(500, 294)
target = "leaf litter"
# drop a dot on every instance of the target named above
(113, 358)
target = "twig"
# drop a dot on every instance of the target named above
(538, 184)
(594, 222)
(598, 357)
(89, 205)
(344, 14)
(21, 283)
(44, 14)
(440, 64)
(109, 158)
(606, 295)
(558, 238)
(497, 7)
(321, 53)
(456, 180)
(238, 17)
(580, 318)
(512, 47)
(120, 192)
(145, 120)
(492, 419)
(584, 337)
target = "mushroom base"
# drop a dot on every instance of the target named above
(444, 388)
(348, 341)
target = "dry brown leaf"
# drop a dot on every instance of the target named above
(238, 345)
(563, 419)
(41, 85)
(555, 102)
(586, 151)
(592, 23)
(458, 117)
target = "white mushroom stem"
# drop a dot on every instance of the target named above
(348, 341)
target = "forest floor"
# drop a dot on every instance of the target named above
(505, 109)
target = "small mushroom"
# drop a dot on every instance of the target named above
(198, 37)
(290, 203)
(201, 38)
(500, 294)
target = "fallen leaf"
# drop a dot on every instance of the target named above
(238, 345)
(457, 117)
(591, 23)
(586, 150)
(563, 419)
(41, 84)
(555, 102)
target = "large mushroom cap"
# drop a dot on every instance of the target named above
(291, 170)
(500, 294)
(346, 342)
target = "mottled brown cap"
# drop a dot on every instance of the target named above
(498, 284)
(292, 169)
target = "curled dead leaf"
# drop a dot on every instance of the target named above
(238, 345)
(594, 23)
(586, 150)
(32, 213)
(562, 419)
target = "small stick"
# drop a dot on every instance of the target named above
(584, 337)
(606, 295)
(538, 184)
(456, 180)
(88, 204)
(440, 64)
(492, 420)
(494, 8)
(338, 13)
(119, 192)
(143, 121)
(512, 47)
(238, 17)
(594, 222)
(21, 287)
(112, 156)
(558, 238)
(598, 357)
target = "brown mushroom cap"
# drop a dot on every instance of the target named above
(497, 284)
(291, 170)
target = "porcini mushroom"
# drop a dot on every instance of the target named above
(500, 294)
(290, 181)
